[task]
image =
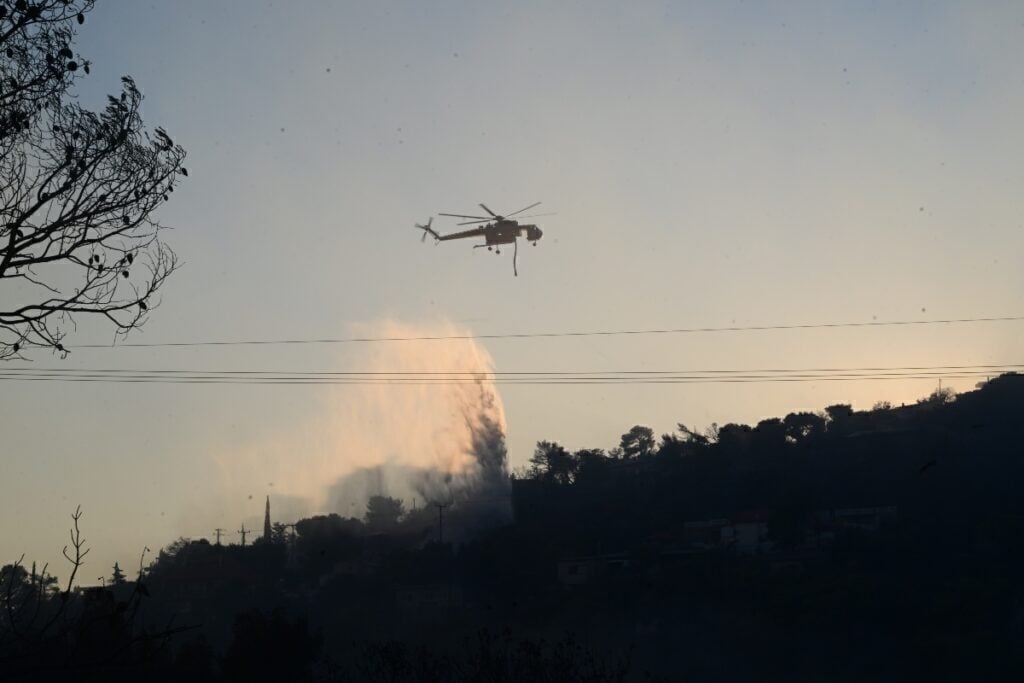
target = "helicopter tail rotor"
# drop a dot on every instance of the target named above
(427, 230)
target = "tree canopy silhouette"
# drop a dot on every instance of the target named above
(383, 512)
(551, 462)
(638, 441)
(79, 190)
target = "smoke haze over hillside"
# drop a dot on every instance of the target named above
(436, 441)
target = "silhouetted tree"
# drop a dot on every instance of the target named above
(38, 65)
(733, 437)
(939, 397)
(173, 553)
(770, 434)
(552, 462)
(27, 609)
(839, 416)
(711, 433)
(591, 463)
(79, 188)
(671, 441)
(639, 441)
(325, 539)
(943, 568)
(49, 634)
(803, 426)
(383, 512)
(691, 436)
(325, 526)
(21, 593)
(685, 443)
(117, 577)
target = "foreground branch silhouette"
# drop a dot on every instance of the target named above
(50, 634)
(78, 189)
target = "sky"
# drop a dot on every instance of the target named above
(710, 164)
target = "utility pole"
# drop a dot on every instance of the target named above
(142, 557)
(219, 531)
(243, 532)
(267, 529)
(440, 521)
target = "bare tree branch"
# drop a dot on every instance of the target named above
(78, 189)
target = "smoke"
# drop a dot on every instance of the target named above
(480, 496)
(438, 440)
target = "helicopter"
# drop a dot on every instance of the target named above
(497, 230)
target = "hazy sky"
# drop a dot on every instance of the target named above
(711, 164)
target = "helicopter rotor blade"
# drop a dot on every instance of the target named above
(484, 207)
(481, 220)
(526, 208)
(459, 215)
(538, 215)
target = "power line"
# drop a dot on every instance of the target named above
(545, 378)
(548, 335)
(580, 382)
(498, 373)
